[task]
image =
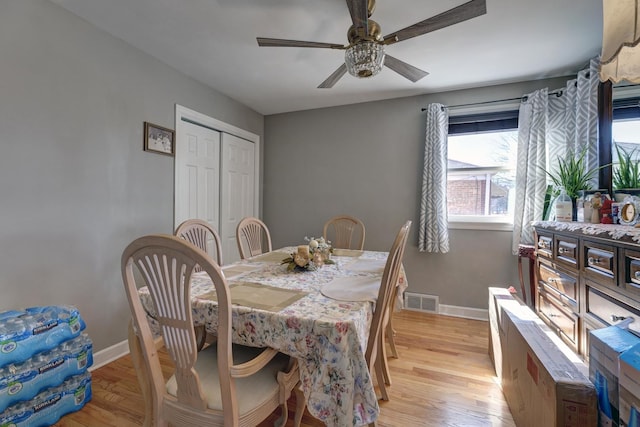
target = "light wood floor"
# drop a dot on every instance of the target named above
(443, 377)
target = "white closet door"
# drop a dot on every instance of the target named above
(237, 198)
(197, 169)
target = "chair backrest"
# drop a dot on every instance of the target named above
(201, 234)
(253, 237)
(342, 229)
(166, 263)
(387, 286)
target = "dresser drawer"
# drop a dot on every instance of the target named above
(544, 245)
(567, 250)
(631, 276)
(566, 324)
(609, 310)
(563, 284)
(600, 263)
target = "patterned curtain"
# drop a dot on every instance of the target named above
(531, 181)
(549, 126)
(434, 230)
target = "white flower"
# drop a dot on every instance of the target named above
(313, 244)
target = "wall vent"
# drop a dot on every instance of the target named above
(421, 302)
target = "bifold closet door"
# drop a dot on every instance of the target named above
(197, 169)
(237, 190)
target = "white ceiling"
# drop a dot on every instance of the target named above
(214, 42)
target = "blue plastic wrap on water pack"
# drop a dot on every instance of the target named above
(27, 332)
(51, 404)
(22, 381)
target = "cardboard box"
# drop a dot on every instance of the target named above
(544, 382)
(605, 347)
(629, 387)
(498, 298)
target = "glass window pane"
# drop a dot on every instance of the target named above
(483, 149)
(481, 173)
(626, 134)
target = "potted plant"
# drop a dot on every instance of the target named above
(572, 176)
(626, 172)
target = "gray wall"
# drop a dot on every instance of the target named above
(76, 185)
(366, 160)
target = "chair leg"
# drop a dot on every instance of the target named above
(382, 357)
(143, 376)
(301, 404)
(380, 379)
(391, 334)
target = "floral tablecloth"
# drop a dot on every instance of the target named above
(328, 337)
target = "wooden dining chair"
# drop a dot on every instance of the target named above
(253, 237)
(345, 232)
(389, 336)
(376, 330)
(200, 233)
(375, 345)
(224, 384)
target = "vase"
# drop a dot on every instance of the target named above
(574, 209)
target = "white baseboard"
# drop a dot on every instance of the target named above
(109, 354)
(465, 312)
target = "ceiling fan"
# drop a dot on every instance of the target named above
(364, 55)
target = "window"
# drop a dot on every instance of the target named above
(481, 173)
(626, 126)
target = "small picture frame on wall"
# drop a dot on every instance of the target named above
(158, 139)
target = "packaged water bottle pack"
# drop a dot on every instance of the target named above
(22, 381)
(27, 332)
(51, 404)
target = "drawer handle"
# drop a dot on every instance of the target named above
(615, 318)
(637, 274)
(563, 251)
(594, 260)
(542, 244)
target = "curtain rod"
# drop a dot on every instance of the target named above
(558, 93)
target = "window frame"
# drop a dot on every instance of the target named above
(477, 123)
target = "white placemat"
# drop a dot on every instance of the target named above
(368, 265)
(274, 256)
(237, 270)
(347, 252)
(355, 288)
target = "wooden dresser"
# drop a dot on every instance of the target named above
(588, 277)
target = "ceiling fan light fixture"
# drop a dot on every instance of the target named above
(364, 59)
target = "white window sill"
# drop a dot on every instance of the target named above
(491, 224)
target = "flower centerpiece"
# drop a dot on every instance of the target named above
(311, 256)
(321, 250)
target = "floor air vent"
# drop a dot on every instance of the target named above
(421, 302)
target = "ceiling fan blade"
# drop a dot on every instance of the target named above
(334, 77)
(453, 16)
(405, 70)
(359, 14)
(267, 42)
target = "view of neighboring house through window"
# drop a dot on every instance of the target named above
(481, 170)
(626, 127)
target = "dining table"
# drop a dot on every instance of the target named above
(319, 316)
